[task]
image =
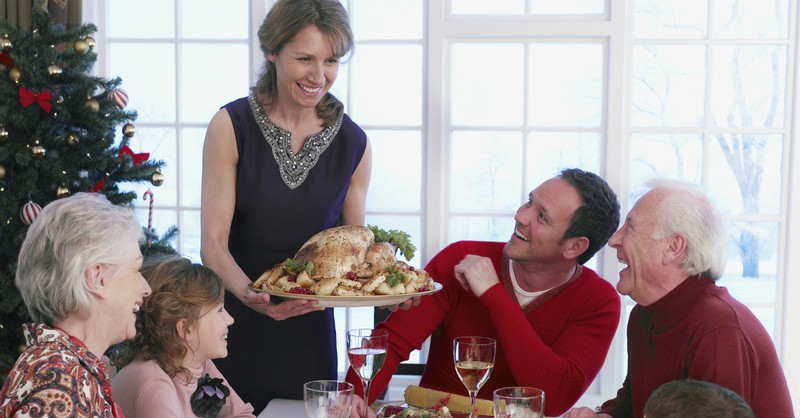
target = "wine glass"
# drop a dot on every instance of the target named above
(366, 349)
(518, 402)
(474, 360)
(328, 399)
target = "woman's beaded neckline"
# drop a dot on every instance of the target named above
(294, 168)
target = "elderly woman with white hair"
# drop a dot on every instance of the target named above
(78, 273)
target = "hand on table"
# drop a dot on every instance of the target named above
(358, 407)
(584, 412)
(476, 273)
(278, 311)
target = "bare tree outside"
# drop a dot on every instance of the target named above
(746, 101)
(745, 152)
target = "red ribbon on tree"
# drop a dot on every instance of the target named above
(138, 158)
(27, 97)
(98, 185)
(5, 58)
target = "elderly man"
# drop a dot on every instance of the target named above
(553, 319)
(684, 325)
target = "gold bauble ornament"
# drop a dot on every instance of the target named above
(72, 139)
(81, 46)
(3, 133)
(90, 41)
(37, 150)
(93, 105)
(15, 74)
(21, 348)
(2, 172)
(128, 130)
(157, 178)
(62, 191)
(53, 70)
(5, 43)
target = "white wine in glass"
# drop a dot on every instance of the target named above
(366, 350)
(474, 360)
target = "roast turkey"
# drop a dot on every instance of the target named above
(345, 261)
(336, 251)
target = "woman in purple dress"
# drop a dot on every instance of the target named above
(279, 166)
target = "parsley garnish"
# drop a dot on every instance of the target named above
(295, 268)
(394, 277)
(399, 239)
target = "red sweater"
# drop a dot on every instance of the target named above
(700, 331)
(557, 343)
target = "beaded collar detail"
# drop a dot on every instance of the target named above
(294, 168)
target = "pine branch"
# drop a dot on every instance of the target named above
(54, 146)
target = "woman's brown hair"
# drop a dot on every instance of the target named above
(284, 20)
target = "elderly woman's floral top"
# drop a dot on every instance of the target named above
(56, 376)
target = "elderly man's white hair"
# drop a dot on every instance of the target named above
(69, 235)
(687, 209)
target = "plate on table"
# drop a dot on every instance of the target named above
(400, 408)
(352, 301)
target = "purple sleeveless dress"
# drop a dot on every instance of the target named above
(278, 208)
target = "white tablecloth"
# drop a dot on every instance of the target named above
(284, 408)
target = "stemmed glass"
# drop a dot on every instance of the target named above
(518, 402)
(328, 399)
(474, 360)
(366, 349)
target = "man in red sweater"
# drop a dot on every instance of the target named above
(684, 325)
(553, 318)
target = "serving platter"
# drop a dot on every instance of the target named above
(396, 408)
(352, 301)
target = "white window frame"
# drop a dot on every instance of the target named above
(440, 30)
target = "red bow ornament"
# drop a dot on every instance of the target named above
(137, 158)
(5, 58)
(27, 97)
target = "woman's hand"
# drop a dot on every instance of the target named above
(358, 408)
(278, 311)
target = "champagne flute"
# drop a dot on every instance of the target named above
(366, 349)
(328, 399)
(474, 360)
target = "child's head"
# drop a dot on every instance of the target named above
(695, 399)
(168, 324)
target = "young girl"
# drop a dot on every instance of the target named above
(182, 326)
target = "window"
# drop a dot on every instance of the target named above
(708, 106)
(177, 74)
(469, 104)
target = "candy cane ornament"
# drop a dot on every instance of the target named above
(149, 194)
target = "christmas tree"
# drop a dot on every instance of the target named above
(58, 125)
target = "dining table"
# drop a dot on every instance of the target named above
(290, 408)
(293, 408)
(283, 408)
